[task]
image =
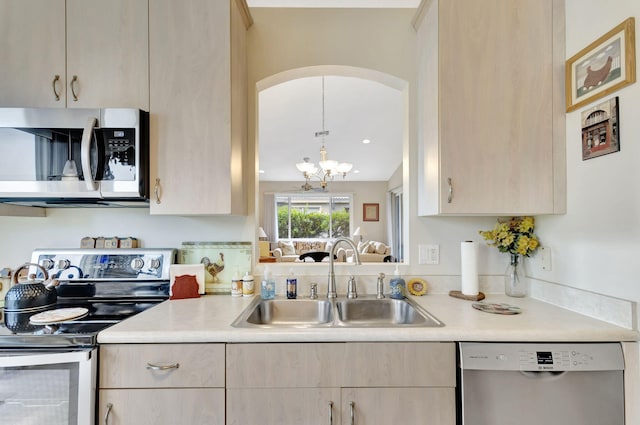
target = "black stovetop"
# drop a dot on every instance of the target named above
(112, 284)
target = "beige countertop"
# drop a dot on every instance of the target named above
(209, 318)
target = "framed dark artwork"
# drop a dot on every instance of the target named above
(370, 212)
(604, 66)
(601, 129)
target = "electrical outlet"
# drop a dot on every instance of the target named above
(429, 254)
(545, 258)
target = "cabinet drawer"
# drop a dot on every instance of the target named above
(141, 365)
(162, 406)
(284, 365)
(399, 364)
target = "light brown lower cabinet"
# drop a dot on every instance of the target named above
(165, 406)
(346, 406)
(341, 383)
(161, 384)
(277, 384)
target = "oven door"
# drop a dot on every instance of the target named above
(48, 387)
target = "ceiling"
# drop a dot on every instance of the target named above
(291, 113)
(335, 3)
(354, 109)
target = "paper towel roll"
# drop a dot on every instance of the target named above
(469, 267)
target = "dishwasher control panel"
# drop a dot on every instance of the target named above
(541, 357)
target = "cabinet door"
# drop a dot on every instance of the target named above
(496, 106)
(283, 406)
(383, 406)
(491, 119)
(32, 42)
(194, 164)
(107, 50)
(204, 406)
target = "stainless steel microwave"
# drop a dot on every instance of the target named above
(74, 157)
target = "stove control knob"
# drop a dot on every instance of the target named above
(47, 263)
(137, 263)
(155, 264)
(63, 264)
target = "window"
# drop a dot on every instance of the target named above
(319, 216)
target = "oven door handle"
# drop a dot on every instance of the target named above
(19, 360)
(85, 153)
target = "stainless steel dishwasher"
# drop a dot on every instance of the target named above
(540, 383)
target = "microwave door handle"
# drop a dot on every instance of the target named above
(44, 359)
(85, 150)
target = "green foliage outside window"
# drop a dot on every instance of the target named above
(306, 224)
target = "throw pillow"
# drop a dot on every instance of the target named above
(380, 248)
(363, 247)
(287, 247)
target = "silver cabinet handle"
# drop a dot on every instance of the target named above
(152, 366)
(56, 78)
(450, 197)
(352, 410)
(157, 190)
(331, 413)
(106, 415)
(85, 153)
(73, 90)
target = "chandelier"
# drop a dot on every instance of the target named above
(328, 168)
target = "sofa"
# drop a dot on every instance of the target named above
(291, 250)
(369, 252)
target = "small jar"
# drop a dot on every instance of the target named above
(247, 285)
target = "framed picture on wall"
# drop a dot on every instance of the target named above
(602, 67)
(370, 212)
(600, 129)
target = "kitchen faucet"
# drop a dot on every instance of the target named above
(331, 286)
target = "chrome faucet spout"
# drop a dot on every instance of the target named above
(331, 284)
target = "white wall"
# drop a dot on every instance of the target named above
(596, 245)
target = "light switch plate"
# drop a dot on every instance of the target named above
(545, 258)
(429, 254)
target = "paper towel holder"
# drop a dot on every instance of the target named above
(459, 294)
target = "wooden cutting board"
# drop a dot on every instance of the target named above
(58, 315)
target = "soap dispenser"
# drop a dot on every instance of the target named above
(292, 286)
(398, 286)
(268, 285)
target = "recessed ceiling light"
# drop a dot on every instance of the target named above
(261, 171)
(356, 171)
(366, 141)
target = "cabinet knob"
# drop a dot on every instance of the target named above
(157, 190)
(73, 84)
(56, 79)
(106, 415)
(352, 411)
(152, 366)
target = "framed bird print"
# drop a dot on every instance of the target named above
(604, 66)
(221, 260)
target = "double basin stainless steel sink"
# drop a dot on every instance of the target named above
(319, 313)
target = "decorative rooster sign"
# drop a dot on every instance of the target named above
(213, 268)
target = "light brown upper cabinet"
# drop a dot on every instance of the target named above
(198, 106)
(491, 121)
(74, 53)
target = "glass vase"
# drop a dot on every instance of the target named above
(515, 284)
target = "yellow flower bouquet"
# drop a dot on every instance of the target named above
(514, 236)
